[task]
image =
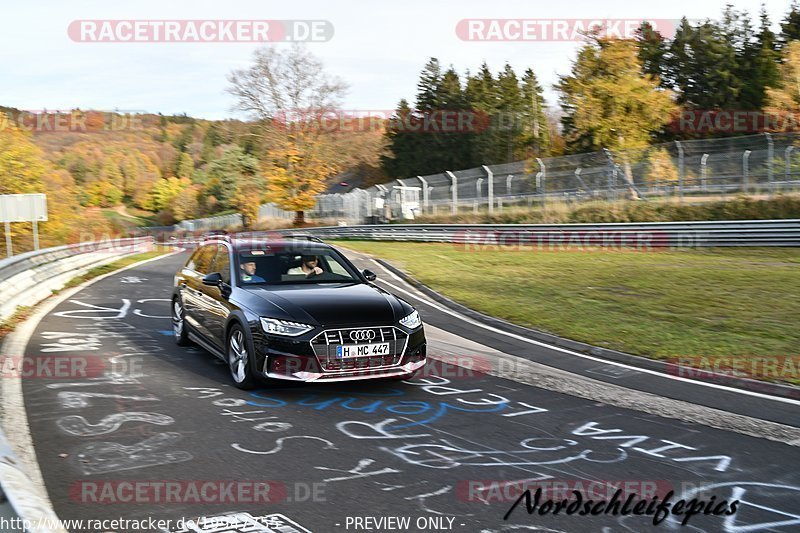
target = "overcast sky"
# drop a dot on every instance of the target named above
(378, 48)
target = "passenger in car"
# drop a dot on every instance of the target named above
(249, 273)
(309, 266)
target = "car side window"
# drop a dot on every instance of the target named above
(337, 268)
(222, 264)
(204, 258)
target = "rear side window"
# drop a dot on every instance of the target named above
(203, 259)
(222, 264)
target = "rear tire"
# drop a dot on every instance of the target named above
(179, 330)
(240, 359)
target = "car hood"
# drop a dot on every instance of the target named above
(334, 304)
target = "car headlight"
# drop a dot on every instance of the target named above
(412, 321)
(274, 326)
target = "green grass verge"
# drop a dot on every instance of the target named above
(711, 302)
(127, 222)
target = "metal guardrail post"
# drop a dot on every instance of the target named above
(453, 191)
(490, 188)
(508, 183)
(788, 160)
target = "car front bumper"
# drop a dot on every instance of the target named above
(306, 359)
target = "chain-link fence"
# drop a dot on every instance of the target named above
(204, 224)
(760, 164)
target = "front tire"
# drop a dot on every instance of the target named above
(179, 329)
(240, 359)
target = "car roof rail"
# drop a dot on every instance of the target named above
(302, 236)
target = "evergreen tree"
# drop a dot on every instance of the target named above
(401, 161)
(702, 65)
(482, 95)
(185, 166)
(759, 66)
(428, 86)
(535, 134)
(652, 49)
(450, 146)
(511, 112)
(790, 27)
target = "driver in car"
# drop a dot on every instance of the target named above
(249, 273)
(308, 267)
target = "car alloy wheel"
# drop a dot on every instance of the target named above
(179, 324)
(239, 359)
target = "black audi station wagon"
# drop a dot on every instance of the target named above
(293, 309)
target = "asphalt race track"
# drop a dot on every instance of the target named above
(447, 451)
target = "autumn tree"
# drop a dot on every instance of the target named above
(609, 103)
(22, 163)
(662, 169)
(786, 97)
(165, 191)
(25, 170)
(289, 92)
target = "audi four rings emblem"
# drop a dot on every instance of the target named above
(362, 335)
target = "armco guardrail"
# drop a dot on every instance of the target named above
(28, 278)
(647, 234)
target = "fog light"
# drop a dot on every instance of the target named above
(288, 365)
(418, 355)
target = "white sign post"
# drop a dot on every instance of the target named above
(22, 208)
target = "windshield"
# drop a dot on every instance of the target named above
(283, 267)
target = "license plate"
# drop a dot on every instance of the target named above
(362, 350)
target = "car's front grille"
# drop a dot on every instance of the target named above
(325, 347)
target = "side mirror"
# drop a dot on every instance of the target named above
(213, 280)
(369, 275)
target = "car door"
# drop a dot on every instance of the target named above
(193, 295)
(216, 307)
